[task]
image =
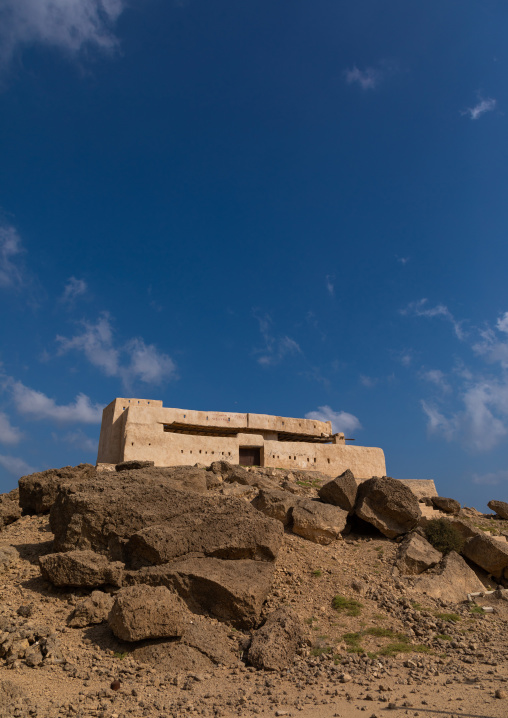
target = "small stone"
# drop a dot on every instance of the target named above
(500, 693)
(345, 678)
(115, 686)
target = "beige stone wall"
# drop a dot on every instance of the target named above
(134, 429)
(332, 459)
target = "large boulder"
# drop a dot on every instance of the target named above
(488, 553)
(91, 610)
(340, 491)
(37, 492)
(276, 504)
(220, 528)
(415, 555)
(80, 568)
(10, 509)
(274, 645)
(500, 507)
(141, 612)
(105, 514)
(231, 591)
(318, 522)
(448, 506)
(388, 505)
(451, 581)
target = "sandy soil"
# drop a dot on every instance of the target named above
(398, 655)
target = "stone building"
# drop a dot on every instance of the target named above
(144, 429)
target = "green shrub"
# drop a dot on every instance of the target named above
(444, 536)
(348, 605)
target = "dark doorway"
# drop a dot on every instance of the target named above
(250, 456)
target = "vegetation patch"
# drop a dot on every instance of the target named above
(347, 605)
(454, 617)
(444, 536)
(477, 610)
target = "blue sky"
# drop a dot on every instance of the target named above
(288, 208)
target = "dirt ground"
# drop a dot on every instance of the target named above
(381, 651)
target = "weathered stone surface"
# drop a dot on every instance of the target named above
(231, 591)
(276, 504)
(102, 514)
(318, 522)
(500, 507)
(92, 610)
(141, 612)
(274, 645)
(8, 557)
(233, 473)
(489, 554)
(37, 492)
(449, 506)
(415, 555)
(133, 464)
(388, 505)
(340, 491)
(451, 581)
(222, 528)
(10, 509)
(80, 568)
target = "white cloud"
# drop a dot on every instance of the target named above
(143, 362)
(15, 466)
(73, 289)
(276, 348)
(481, 107)
(502, 323)
(10, 249)
(8, 434)
(341, 420)
(436, 377)
(96, 343)
(420, 308)
(368, 79)
(69, 25)
(147, 364)
(492, 479)
(36, 405)
(403, 260)
(330, 286)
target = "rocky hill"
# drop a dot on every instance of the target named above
(221, 591)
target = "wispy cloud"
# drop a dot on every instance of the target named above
(69, 25)
(437, 378)
(368, 79)
(368, 381)
(78, 439)
(35, 405)
(330, 284)
(11, 272)
(8, 434)
(476, 408)
(73, 289)
(421, 308)
(276, 348)
(482, 106)
(402, 260)
(491, 479)
(131, 361)
(341, 420)
(16, 466)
